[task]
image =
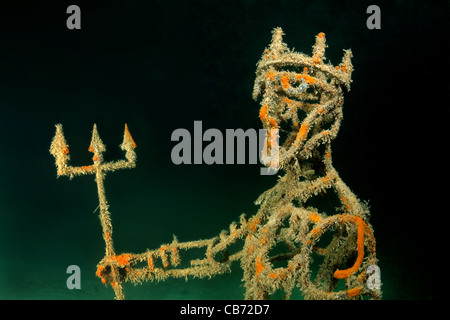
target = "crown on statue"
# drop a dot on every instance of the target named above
(278, 60)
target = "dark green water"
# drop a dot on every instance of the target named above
(159, 66)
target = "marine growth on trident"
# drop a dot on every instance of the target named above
(309, 214)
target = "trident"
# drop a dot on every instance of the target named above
(60, 150)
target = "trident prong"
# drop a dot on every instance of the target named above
(60, 150)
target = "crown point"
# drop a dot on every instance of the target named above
(277, 46)
(319, 48)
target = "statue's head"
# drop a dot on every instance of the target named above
(301, 96)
